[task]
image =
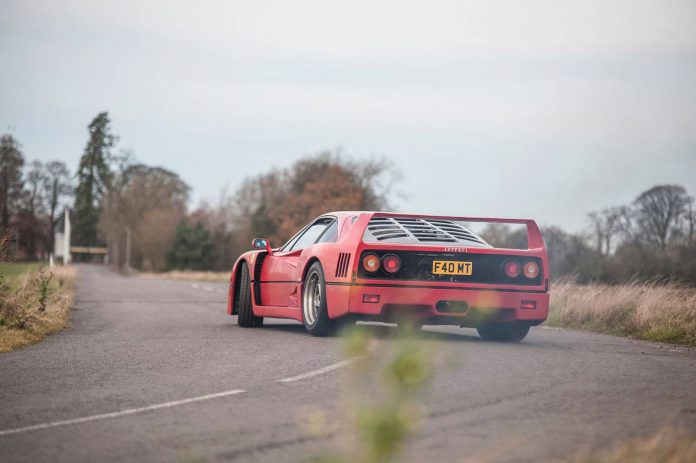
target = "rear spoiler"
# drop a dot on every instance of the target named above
(534, 239)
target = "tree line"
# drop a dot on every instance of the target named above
(653, 237)
(141, 214)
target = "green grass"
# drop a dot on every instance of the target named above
(10, 274)
(12, 271)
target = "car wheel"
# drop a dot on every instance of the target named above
(315, 314)
(245, 314)
(505, 332)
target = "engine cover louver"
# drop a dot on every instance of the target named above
(417, 230)
(342, 266)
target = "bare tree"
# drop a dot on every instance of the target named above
(690, 222)
(568, 254)
(57, 188)
(277, 203)
(659, 212)
(154, 237)
(328, 181)
(606, 224)
(597, 225)
(147, 202)
(34, 201)
(34, 188)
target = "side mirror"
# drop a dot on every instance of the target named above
(261, 243)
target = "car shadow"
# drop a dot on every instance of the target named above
(383, 331)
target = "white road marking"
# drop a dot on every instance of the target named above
(129, 411)
(318, 372)
(195, 286)
(207, 288)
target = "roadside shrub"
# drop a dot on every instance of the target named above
(42, 285)
(34, 304)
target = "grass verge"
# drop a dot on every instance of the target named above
(34, 302)
(667, 446)
(664, 312)
(187, 275)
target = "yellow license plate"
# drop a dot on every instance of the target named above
(451, 267)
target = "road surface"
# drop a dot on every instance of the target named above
(155, 370)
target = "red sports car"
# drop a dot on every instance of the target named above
(410, 269)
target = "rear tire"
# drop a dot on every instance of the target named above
(504, 332)
(246, 317)
(315, 313)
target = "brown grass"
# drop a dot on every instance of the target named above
(188, 275)
(667, 446)
(22, 322)
(664, 312)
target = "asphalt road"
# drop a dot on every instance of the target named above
(115, 386)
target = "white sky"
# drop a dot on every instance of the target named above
(541, 109)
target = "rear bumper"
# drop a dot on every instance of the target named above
(465, 306)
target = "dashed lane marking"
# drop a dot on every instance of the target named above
(129, 411)
(318, 372)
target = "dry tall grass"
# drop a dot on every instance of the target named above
(648, 310)
(22, 320)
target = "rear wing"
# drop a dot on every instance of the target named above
(535, 242)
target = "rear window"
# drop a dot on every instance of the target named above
(501, 235)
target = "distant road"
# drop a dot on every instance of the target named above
(156, 371)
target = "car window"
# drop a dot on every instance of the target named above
(330, 234)
(286, 247)
(310, 235)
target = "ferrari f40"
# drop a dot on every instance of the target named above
(407, 269)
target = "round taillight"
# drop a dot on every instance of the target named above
(370, 263)
(512, 268)
(391, 263)
(531, 269)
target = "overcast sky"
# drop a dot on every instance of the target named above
(542, 109)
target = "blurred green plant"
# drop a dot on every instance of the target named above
(382, 425)
(42, 284)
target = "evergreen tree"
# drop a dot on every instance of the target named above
(193, 247)
(93, 177)
(11, 184)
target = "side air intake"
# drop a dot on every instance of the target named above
(342, 266)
